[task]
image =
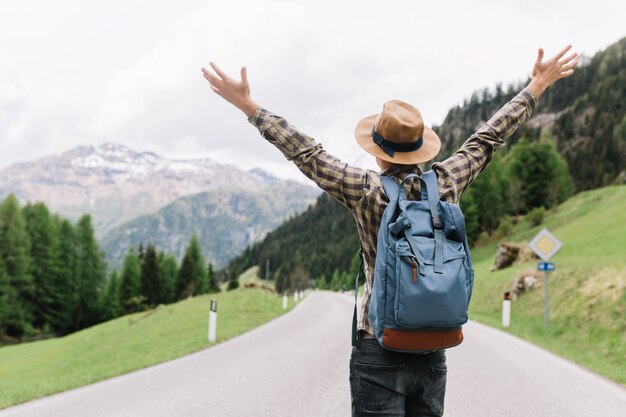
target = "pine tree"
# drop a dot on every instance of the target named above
(151, 285)
(212, 284)
(186, 282)
(112, 307)
(169, 271)
(50, 285)
(192, 273)
(141, 253)
(90, 275)
(17, 289)
(6, 293)
(354, 270)
(130, 299)
(233, 278)
(471, 214)
(65, 256)
(539, 175)
(321, 283)
(279, 280)
(489, 195)
(335, 283)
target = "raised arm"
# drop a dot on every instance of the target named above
(476, 153)
(341, 181)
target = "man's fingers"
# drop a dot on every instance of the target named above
(219, 72)
(539, 55)
(563, 51)
(210, 77)
(216, 90)
(244, 75)
(568, 58)
(569, 66)
(567, 73)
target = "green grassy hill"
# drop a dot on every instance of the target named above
(37, 369)
(587, 290)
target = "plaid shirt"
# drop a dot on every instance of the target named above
(361, 190)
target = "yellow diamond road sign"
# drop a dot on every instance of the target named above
(545, 245)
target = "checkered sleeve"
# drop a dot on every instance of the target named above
(477, 152)
(343, 182)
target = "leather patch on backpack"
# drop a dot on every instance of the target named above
(403, 340)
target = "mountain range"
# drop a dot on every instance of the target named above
(225, 220)
(116, 184)
(136, 197)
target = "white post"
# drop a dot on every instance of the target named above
(213, 321)
(285, 301)
(295, 296)
(506, 310)
(545, 299)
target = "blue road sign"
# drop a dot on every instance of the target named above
(546, 266)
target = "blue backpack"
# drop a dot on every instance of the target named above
(423, 276)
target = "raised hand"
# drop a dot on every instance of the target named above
(544, 74)
(235, 92)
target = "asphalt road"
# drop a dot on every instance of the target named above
(297, 365)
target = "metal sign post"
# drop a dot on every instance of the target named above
(545, 245)
(213, 321)
(545, 267)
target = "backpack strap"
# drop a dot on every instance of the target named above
(355, 331)
(431, 190)
(392, 189)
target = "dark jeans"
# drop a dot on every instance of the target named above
(387, 383)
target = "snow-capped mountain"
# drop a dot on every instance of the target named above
(115, 183)
(126, 163)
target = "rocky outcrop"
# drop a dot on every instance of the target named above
(511, 253)
(526, 281)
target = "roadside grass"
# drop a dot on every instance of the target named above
(587, 292)
(37, 369)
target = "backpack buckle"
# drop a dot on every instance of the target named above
(437, 222)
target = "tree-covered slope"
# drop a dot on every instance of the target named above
(585, 114)
(320, 240)
(225, 221)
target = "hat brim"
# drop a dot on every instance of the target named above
(429, 149)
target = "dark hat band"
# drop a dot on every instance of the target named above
(390, 147)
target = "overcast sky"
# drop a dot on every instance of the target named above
(128, 71)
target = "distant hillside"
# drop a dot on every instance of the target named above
(116, 184)
(585, 114)
(320, 240)
(225, 220)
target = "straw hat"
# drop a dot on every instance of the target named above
(398, 135)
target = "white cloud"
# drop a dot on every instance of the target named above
(129, 71)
